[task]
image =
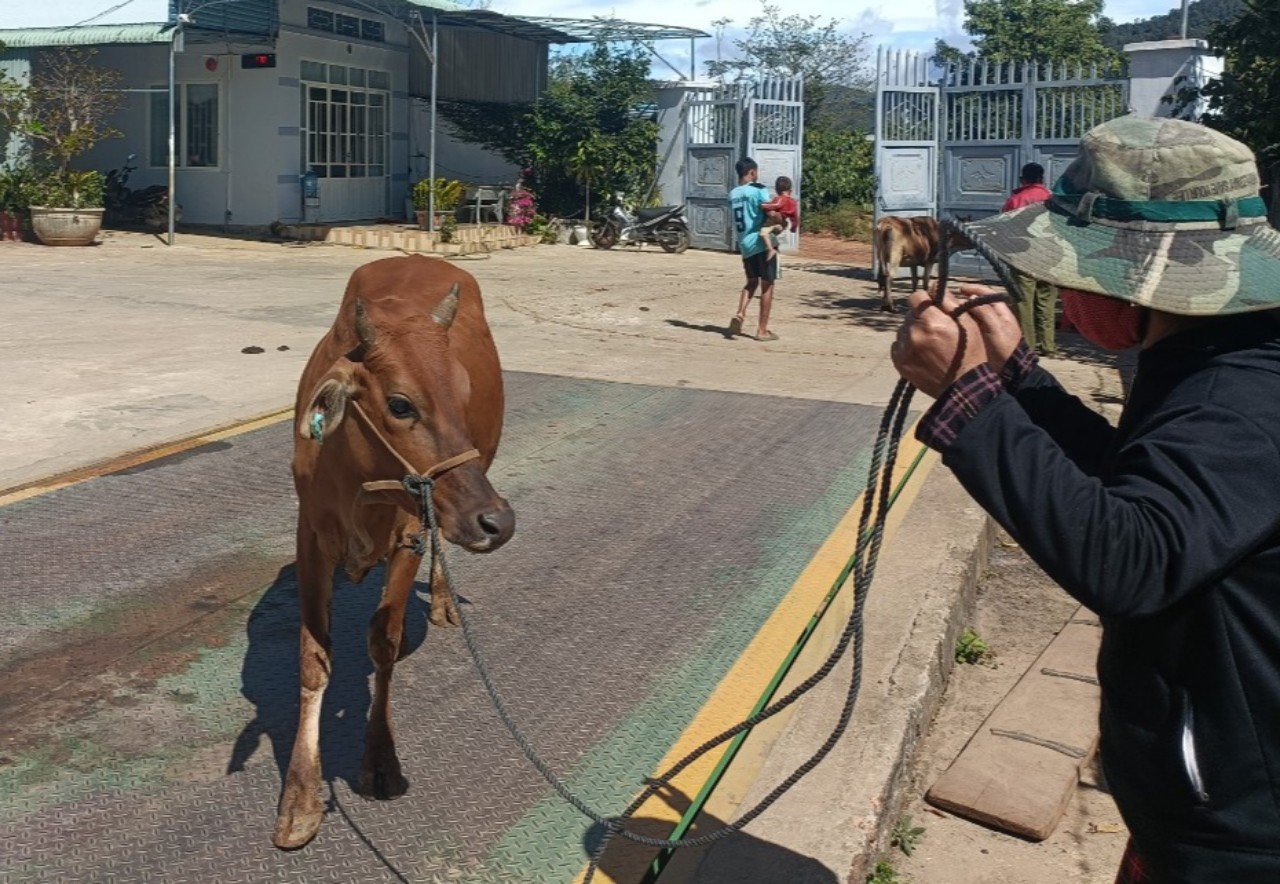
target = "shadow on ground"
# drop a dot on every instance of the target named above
(842, 271)
(721, 330)
(863, 312)
(771, 863)
(269, 675)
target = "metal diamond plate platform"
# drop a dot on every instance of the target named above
(148, 672)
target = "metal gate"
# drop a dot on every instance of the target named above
(906, 160)
(775, 135)
(764, 121)
(952, 140)
(998, 117)
(715, 133)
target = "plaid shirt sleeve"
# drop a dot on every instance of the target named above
(953, 410)
(1019, 364)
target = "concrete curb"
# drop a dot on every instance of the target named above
(835, 823)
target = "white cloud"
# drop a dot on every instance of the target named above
(903, 24)
(14, 14)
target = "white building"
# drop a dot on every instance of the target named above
(268, 89)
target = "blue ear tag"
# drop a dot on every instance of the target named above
(317, 427)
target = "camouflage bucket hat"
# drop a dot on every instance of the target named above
(1159, 212)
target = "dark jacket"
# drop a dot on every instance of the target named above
(1169, 528)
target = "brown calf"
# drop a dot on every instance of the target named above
(408, 371)
(908, 242)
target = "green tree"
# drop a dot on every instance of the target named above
(586, 129)
(832, 61)
(1034, 30)
(67, 108)
(837, 167)
(1245, 102)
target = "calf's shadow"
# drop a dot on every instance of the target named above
(269, 674)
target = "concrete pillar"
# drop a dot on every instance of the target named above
(1160, 69)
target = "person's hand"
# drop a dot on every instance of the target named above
(1001, 332)
(933, 348)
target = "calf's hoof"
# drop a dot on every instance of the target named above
(444, 613)
(298, 821)
(380, 776)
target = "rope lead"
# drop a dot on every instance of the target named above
(866, 555)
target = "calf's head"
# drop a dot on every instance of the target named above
(416, 395)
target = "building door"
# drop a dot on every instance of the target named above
(345, 139)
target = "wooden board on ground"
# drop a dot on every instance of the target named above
(1018, 771)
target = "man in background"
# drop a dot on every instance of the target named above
(1038, 304)
(758, 261)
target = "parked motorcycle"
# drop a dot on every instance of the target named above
(147, 205)
(664, 225)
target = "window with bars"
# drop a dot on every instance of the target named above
(344, 121)
(196, 115)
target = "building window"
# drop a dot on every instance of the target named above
(319, 19)
(345, 128)
(346, 25)
(196, 109)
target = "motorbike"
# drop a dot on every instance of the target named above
(664, 225)
(147, 205)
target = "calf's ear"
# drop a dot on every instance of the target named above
(327, 404)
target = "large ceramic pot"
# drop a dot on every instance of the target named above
(66, 227)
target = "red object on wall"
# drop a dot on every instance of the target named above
(210, 63)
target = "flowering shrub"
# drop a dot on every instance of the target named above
(521, 208)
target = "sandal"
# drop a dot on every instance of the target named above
(735, 326)
(767, 336)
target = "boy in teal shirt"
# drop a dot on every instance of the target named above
(759, 261)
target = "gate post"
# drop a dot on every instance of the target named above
(1158, 69)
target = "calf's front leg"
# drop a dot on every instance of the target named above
(443, 611)
(380, 774)
(301, 807)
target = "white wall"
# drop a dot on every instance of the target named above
(454, 158)
(1159, 69)
(257, 180)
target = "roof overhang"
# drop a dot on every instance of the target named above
(87, 35)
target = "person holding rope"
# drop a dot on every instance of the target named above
(1167, 525)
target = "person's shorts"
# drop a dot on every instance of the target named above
(758, 266)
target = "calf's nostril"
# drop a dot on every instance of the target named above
(491, 524)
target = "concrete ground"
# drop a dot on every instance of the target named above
(131, 344)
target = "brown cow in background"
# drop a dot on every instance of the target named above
(408, 372)
(908, 242)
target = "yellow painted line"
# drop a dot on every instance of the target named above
(737, 692)
(140, 456)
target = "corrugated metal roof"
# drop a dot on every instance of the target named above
(88, 35)
(258, 17)
(441, 5)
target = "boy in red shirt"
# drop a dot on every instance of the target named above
(784, 204)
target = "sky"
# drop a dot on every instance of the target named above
(900, 24)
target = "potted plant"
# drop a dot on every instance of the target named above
(67, 208)
(64, 112)
(448, 193)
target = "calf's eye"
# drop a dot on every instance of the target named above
(401, 407)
